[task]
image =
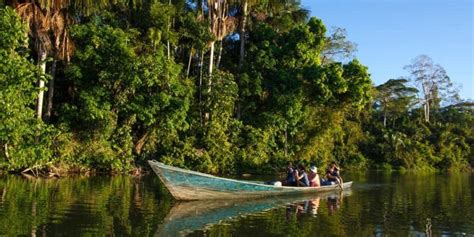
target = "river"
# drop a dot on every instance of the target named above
(378, 204)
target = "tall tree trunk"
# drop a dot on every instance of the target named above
(238, 106)
(189, 61)
(219, 55)
(211, 65)
(426, 105)
(427, 118)
(49, 107)
(426, 108)
(286, 141)
(384, 120)
(201, 66)
(211, 60)
(42, 55)
(209, 82)
(242, 33)
(168, 41)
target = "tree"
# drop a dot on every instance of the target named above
(337, 46)
(245, 5)
(432, 81)
(39, 26)
(62, 48)
(128, 97)
(394, 97)
(221, 24)
(23, 141)
(282, 15)
(279, 13)
(243, 21)
(49, 22)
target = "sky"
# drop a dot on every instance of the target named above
(390, 33)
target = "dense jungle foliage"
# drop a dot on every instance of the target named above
(217, 86)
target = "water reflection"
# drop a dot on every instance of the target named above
(90, 206)
(186, 217)
(380, 204)
(310, 207)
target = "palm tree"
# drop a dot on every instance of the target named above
(39, 24)
(49, 22)
(221, 24)
(244, 8)
(243, 21)
(63, 47)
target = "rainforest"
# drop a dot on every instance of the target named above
(223, 87)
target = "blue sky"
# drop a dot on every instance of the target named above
(390, 33)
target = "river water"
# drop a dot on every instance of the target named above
(378, 204)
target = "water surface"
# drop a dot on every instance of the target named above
(379, 204)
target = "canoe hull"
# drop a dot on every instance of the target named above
(189, 185)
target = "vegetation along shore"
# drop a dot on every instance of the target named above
(214, 86)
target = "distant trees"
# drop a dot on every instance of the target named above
(433, 83)
(394, 97)
(411, 140)
(337, 46)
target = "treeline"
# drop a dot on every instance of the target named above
(217, 86)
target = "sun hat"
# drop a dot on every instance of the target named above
(314, 169)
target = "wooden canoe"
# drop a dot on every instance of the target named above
(190, 185)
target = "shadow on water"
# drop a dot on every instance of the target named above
(186, 217)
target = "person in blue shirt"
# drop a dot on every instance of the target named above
(301, 176)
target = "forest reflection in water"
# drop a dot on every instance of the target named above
(379, 204)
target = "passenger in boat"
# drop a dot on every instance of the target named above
(301, 176)
(335, 168)
(329, 178)
(332, 175)
(336, 172)
(313, 177)
(290, 175)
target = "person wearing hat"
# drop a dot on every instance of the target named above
(314, 177)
